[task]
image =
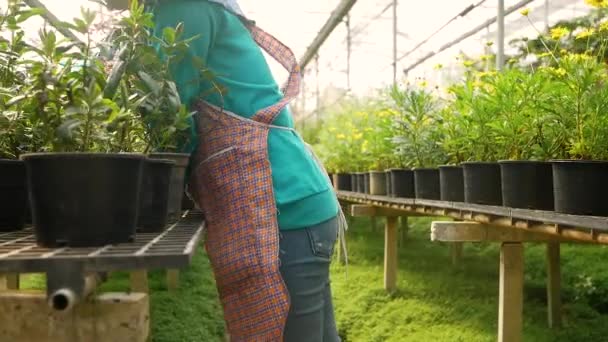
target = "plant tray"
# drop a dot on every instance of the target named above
(172, 248)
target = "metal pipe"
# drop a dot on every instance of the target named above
(336, 17)
(64, 299)
(466, 35)
(500, 21)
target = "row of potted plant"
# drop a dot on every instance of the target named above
(89, 146)
(534, 138)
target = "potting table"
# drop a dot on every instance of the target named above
(476, 223)
(118, 316)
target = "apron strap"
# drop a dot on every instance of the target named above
(286, 58)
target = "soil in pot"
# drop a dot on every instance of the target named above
(482, 184)
(389, 187)
(426, 183)
(13, 195)
(366, 180)
(177, 182)
(402, 183)
(343, 182)
(377, 183)
(154, 195)
(84, 199)
(451, 181)
(580, 187)
(527, 184)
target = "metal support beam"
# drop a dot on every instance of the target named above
(395, 32)
(336, 18)
(500, 39)
(466, 35)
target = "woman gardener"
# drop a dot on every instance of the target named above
(272, 216)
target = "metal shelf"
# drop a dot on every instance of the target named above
(172, 248)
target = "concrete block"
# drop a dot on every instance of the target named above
(109, 317)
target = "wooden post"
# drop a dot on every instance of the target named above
(456, 249)
(554, 302)
(510, 312)
(9, 281)
(139, 281)
(390, 254)
(172, 279)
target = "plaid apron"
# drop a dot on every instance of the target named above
(232, 183)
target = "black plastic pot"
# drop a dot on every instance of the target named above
(84, 199)
(343, 180)
(402, 183)
(353, 181)
(154, 195)
(178, 176)
(187, 203)
(13, 195)
(366, 187)
(389, 186)
(451, 181)
(360, 183)
(580, 187)
(482, 184)
(527, 184)
(377, 183)
(426, 183)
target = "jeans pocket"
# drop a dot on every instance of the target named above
(323, 238)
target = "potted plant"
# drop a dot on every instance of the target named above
(474, 142)
(84, 188)
(415, 136)
(579, 176)
(522, 135)
(451, 178)
(378, 147)
(166, 120)
(15, 130)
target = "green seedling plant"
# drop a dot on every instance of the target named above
(63, 95)
(416, 128)
(16, 136)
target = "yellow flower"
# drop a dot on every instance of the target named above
(604, 26)
(439, 66)
(561, 72)
(563, 51)
(586, 33)
(486, 73)
(597, 3)
(525, 12)
(341, 136)
(423, 84)
(468, 64)
(544, 54)
(358, 136)
(558, 33)
(486, 57)
(368, 129)
(332, 129)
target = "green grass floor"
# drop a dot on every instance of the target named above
(435, 301)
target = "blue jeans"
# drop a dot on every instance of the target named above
(305, 257)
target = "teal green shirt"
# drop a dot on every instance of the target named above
(303, 196)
